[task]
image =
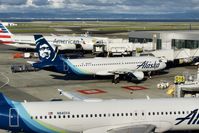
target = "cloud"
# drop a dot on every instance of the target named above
(13, 2)
(56, 3)
(101, 6)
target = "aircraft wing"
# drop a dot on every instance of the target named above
(120, 71)
(134, 129)
(75, 97)
(71, 95)
(139, 75)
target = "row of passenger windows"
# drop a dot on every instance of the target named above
(110, 115)
(109, 64)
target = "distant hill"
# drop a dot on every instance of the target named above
(89, 15)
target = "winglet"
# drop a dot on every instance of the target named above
(147, 97)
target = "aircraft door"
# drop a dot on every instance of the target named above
(13, 118)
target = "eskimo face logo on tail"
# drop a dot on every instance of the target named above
(44, 51)
(147, 64)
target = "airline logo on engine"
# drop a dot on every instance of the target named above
(191, 119)
(147, 64)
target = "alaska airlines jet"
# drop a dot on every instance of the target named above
(133, 67)
(64, 42)
(99, 116)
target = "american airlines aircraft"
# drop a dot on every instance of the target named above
(132, 67)
(64, 42)
(99, 116)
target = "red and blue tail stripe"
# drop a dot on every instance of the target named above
(3, 29)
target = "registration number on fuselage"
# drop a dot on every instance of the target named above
(63, 113)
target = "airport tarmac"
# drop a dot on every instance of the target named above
(42, 85)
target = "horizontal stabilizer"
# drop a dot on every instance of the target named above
(31, 62)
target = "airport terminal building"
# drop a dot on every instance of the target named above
(167, 39)
(174, 45)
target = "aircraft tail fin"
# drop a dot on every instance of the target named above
(47, 53)
(5, 35)
(4, 30)
(4, 100)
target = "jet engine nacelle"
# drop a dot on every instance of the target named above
(136, 75)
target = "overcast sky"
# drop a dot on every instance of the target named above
(103, 6)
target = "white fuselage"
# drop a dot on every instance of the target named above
(101, 116)
(110, 66)
(63, 42)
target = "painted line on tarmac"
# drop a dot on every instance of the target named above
(8, 80)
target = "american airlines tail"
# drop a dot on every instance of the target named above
(5, 35)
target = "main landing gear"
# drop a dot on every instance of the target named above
(116, 79)
(149, 74)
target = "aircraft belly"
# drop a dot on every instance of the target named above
(185, 127)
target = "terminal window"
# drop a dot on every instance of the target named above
(191, 44)
(140, 40)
